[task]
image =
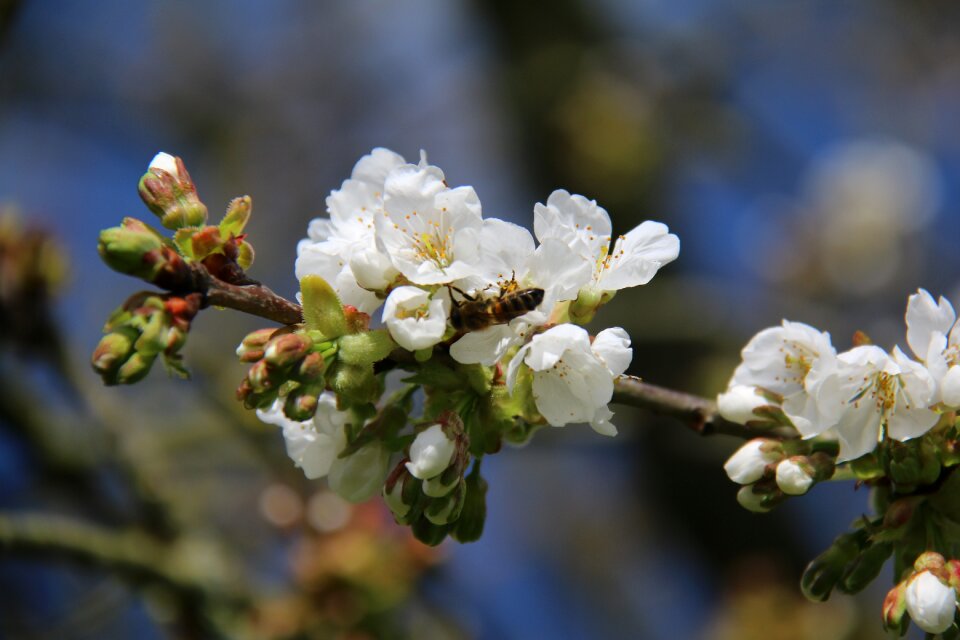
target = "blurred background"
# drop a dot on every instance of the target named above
(807, 155)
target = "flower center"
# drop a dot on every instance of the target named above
(434, 245)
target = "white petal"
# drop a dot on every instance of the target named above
(950, 387)
(738, 403)
(637, 256)
(484, 347)
(430, 453)
(165, 162)
(858, 432)
(748, 464)
(575, 220)
(612, 346)
(924, 316)
(547, 348)
(414, 319)
(904, 423)
(792, 478)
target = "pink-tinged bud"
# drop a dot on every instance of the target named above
(287, 349)
(750, 462)
(300, 405)
(931, 603)
(260, 376)
(168, 191)
(357, 320)
(929, 561)
(252, 347)
(113, 350)
(894, 606)
(312, 367)
(900, 512)
(953, 573)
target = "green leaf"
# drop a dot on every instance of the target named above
(365, 348)
(439, 376)
(322, 310)
(236, 217)
(183, 241)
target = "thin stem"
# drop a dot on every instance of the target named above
(696, 412)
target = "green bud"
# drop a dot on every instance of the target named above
(429, 533)
(894, 608)
(826, 570)
(365, 348)
(396, 494)
(301, 404)
(287, 349)
(441, 485)
(864, 570)
(113, 350)
(355, 383)
(132, 248)
(135, 368)
(153, 336)
(867, 467)
(168, 192)
(469, 526)
(929, 459)
(585, 306)
(447, 509)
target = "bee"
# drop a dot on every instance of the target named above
(473, 314)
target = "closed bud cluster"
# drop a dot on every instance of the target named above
(136, 250)
(168, 191)
(143, 329)
(288, 363)
(427, 490)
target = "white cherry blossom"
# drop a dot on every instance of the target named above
(572, 379)
(314, 445)
(511, 261)
(867, 394)
(415, 318)
(342, 249)
(585, 227)
(933, 334)
(430, 232)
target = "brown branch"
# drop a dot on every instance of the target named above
(696, 412)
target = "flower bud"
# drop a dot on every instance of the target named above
(431, 452)
(825, 571)
(865, 568)
(469, 526)
(128, 249)
(301, 403)
(168, 191)
(749, 463)
(447, 509)
(399, 492)
(737, 404)
(757, 501)
(253, 344)
(931, 604)
(585, 306)
(261, 376)
(894, 606)
(794, 476)
(113, 350)
(287, 349)
(135, 368)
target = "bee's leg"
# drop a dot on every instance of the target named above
(463, 293)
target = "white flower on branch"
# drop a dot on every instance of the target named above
(430, 232)
(934, 337)
(867, 394)
(572, 379)
(342, 249)
(315, 445)
(415, 319)
(585, 227)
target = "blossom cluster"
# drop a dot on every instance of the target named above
(463, 295)
(861, 397)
